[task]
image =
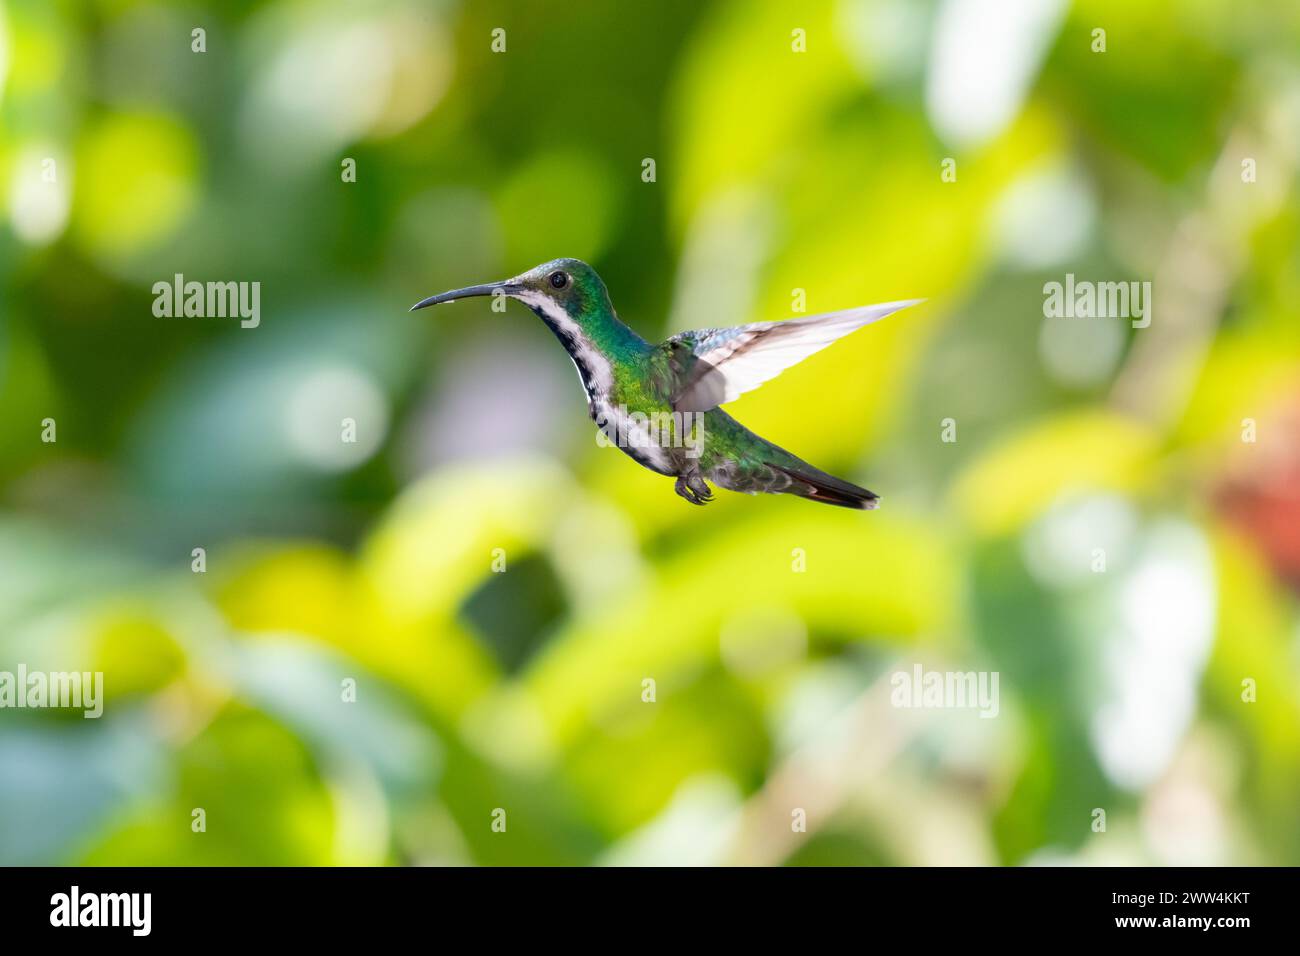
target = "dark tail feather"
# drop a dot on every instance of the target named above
(818, 486)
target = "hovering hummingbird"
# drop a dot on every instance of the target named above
(659, 403)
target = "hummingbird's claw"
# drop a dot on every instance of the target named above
(693, 489)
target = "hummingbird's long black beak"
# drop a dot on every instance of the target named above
(465, 293)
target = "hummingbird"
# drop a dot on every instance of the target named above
(659, 403)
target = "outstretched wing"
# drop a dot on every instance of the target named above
(714, 366)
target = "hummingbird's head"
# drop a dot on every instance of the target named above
(567, 286)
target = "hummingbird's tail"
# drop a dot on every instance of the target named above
(816, 485)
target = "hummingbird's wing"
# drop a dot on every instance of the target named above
(714, 366)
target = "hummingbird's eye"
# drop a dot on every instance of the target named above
(559, 280)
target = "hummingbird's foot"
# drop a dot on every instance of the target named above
(693, 489)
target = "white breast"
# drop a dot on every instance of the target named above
(632, 438)
(598, 378)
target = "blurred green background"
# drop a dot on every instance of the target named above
(1101, 533)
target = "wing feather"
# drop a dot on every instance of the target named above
(716, 366)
